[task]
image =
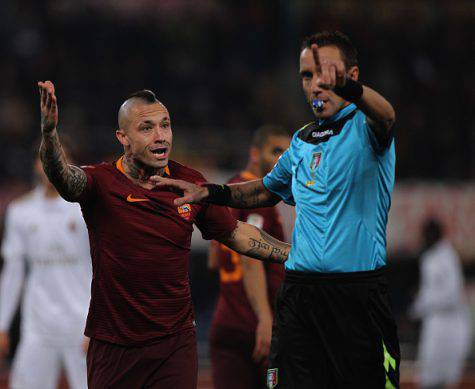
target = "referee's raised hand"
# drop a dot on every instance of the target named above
(331, 72)
(192, 193)
(49, 107)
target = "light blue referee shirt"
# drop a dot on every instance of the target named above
(340, 180)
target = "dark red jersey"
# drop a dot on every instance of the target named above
(140, 243)
(233, 309)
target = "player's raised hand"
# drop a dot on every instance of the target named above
(331, 72)
(49, 106)
(192, 193)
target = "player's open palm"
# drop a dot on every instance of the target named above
(263, 339)
(192, 193)
(49, 106)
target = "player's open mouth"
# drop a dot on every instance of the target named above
(160, 152)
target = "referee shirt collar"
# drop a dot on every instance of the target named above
(340, 114)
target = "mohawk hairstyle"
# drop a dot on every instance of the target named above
(348, 52)
(145, 95)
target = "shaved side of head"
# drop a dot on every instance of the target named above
(144, 96)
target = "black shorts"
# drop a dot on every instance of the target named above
(334, 331)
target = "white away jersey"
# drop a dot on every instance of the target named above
(49, 238)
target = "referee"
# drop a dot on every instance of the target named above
(334, 327)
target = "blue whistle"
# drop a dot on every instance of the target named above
(318, 105)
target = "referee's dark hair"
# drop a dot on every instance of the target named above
(334, 38)
(262, 134)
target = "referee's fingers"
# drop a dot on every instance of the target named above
(316, 58)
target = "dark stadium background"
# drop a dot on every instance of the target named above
(225, 67)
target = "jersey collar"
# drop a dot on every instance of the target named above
(247, 175)
(340, 114)
(119, 167)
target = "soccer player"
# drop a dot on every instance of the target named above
(140, 318)
(242, 325)
(334, 325)
(446, 326)
(47, 237)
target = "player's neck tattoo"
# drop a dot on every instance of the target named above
(138, 171)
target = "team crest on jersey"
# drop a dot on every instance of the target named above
(185, 211)
(315, 160)
(272, 378)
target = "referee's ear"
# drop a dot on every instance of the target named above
(354, 73)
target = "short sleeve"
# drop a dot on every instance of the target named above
(379, 146)
(279, 179)
(90, 189)
(215, 221)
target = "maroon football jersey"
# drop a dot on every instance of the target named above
(233, 309)
(140, 243)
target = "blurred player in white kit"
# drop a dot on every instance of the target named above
(440, 303)
(46, 236)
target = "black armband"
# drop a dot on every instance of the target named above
(352, 91)
(218, 194)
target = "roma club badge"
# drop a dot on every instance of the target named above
(185, 211)
(272, 378)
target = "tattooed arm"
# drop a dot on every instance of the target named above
(253, 242)
(69, 180)
(250, 194)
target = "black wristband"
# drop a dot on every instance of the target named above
(352, 91)
(218, 194)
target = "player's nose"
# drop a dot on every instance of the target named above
(159, 135)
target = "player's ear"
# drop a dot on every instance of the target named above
(122, 137)
(254, 154)
(354, 73)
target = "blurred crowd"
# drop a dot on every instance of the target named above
(223, 68)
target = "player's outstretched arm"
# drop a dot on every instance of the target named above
(256, 243)
(250, 194)
(69, 180)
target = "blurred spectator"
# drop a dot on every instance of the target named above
(446, 326)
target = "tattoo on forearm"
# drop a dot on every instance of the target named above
(69, 180)
(268, 248)
(246, 197)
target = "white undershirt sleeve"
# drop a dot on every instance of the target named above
(13, 272)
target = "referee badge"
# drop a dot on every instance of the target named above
(315, 161)
(272, 378)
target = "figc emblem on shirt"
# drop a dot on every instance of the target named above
(185, 211)
(315, 160)
(272, 378)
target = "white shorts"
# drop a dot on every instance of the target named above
(37, 365)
